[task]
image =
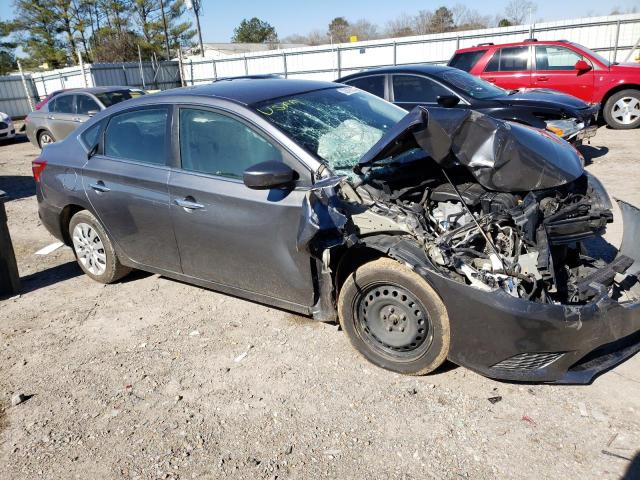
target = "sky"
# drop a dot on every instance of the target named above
(295, 16)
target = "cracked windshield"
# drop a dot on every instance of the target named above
(339, 125)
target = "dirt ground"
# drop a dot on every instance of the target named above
(152, 378)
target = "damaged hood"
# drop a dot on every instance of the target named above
(502, 156)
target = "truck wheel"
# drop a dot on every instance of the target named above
(394, 318)
(622, 110)
(93, 249)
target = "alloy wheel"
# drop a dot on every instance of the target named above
(46, 139)
(89, 248)
(626, 110)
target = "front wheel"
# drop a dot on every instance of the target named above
(622, 110)
(94, 250)
(394, 318)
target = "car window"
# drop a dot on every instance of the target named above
(220, 145)
(117, 96)
(86, 104)
(62, 104)
(510, 59)
(550, 57)
(414, 89)
(470, 84)
(90, 135)
(139, 135)
(466, 60)
(373, 84)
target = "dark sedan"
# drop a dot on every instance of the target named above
(442, 233)
(412, 85)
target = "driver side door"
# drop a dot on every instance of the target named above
(555, 68)
(228, 234)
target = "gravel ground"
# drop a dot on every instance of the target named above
(153, 378)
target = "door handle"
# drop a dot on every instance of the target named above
(50, 117)
(189, 204)
(77, 119)
(543, 79)
(99, 187)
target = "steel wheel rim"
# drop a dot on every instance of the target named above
(392, 321)
(626, 110)
(46, 139)
(89, 248)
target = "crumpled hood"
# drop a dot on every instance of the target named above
(543, 97)
(502, 156)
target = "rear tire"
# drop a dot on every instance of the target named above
(94, 250)
(394, 318)
(45, 137)
(622, 110)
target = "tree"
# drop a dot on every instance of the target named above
(112, 45)
(254, 31)
(364, 30)
(401, 26)
(422, 22)
(339, 30)
(504, 22)
(517, 11)
(442, 20)
(7, 58)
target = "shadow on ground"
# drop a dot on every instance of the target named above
(591, 152)
(49, 276)
(17, 186)
(633, 470)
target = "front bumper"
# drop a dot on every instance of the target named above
(508, 338)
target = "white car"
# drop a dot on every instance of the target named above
(7, 130)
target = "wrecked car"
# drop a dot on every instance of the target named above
(433, 235)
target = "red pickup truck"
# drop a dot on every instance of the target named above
(560, 65)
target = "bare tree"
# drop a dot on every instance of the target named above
(422, 22)
(401, 26)
(364, 30)
(517, 11)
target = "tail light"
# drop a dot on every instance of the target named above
(37, 167)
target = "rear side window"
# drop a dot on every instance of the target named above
(414, 89)
(373, 84)
(510, 59)
(62, 104)
(140, 135)
(90, 135)
(549, 57)
(86, 104)
(220, 145)
(465, 61)
(117, 96)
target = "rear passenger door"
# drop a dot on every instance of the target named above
(61, 116)
(227, 233)
(86, 107)
(127, 185)
(509, 68)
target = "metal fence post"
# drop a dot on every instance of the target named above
(395, 52)
(124, 71)
(284, 64)
(191, 69)
(24, 85)
(615, 47)
(457, 42)
(246, 66)
(339, 62)
(215, 70)
(61, 78)
(84, 77)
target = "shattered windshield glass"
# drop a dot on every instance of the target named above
(339, 125)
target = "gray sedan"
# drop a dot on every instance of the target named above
(63, 113)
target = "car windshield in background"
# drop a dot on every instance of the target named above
(465, 61)
(117, 96)
(595, 55)
(472, 86)
(339, 125)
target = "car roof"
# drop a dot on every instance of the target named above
(488, 46)
(95, 90)
(249, 90)
(419, 68)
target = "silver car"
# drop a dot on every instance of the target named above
(64, 112)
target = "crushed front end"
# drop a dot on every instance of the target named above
(506, 226)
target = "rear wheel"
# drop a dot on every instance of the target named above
(394, 318)
(622, 110)
(94, 250)
(45, 137)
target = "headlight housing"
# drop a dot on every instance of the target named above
(565, 128)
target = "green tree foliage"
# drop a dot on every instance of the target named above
(7, 58)
(442, 20)
(254, 31)
(339, 30)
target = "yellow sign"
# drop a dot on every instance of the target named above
(353, 38)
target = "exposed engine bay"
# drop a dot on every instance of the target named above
(489, 208)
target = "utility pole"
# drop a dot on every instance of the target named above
(196, 6)
(166, 33)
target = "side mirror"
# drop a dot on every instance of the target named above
(91, 113)
(448, 101)
(266, 175)
(582, 66)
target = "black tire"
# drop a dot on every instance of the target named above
(612, 109)
(102, 264)
(46, 134)
(378, 306)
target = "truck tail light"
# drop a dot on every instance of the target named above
(37, 167)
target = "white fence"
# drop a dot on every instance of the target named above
(613, 37)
